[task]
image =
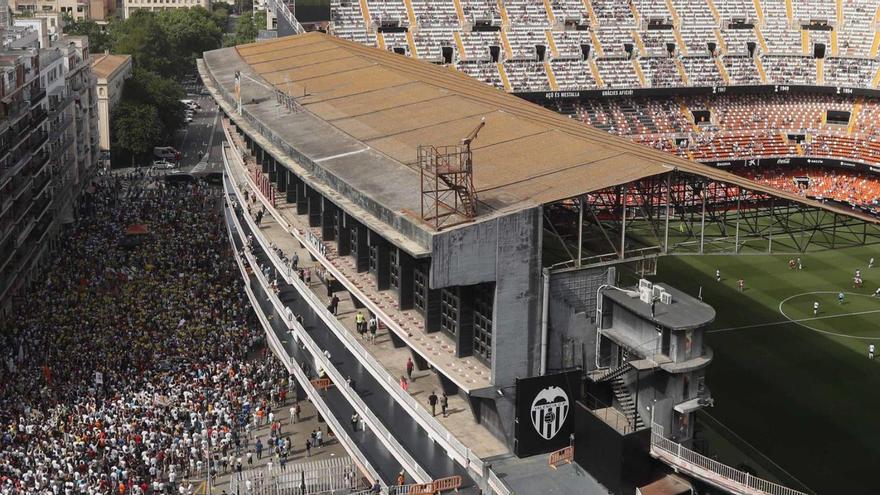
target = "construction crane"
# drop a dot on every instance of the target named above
(473, 135)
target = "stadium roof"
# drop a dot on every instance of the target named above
(390, 104)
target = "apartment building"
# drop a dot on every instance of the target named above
(130, 6)
(49, 148)
(111, 72)
(100, 11)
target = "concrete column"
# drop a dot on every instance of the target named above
(261, 159)
(314, 208)
(382, 272)
(328, 219)
(293, 183)
(405, 291)
(361, 249)
(464, 341)
(282, 177)
(302, 198)
(272, 165)
(343, 237)
(432, 301)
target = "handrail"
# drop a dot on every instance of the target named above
(370, 418)
(710, 470)
(460, 452)
(291, 19)
(314, 396)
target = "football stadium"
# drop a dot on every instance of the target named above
(630, 243)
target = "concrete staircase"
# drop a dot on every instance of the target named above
(626, 403)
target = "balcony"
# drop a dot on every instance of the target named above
(37, 97)
(26, 227)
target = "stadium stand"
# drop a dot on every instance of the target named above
(718, 42)
(534, 46)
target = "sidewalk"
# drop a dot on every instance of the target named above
(460, 421)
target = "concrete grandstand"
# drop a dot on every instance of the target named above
(340, 143)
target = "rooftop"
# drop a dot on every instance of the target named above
(373, 108)
(105, 65)
(686, 312)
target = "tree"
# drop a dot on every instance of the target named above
(99, 40)
(136, 129)
(164, 94)
(246, 31)
(142, 37)
(190, 32)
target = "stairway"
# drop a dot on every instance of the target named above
(614, 373)
(626, 403)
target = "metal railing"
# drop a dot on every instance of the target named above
(335, 475)
(710, 470)
(282, 10)
(397, 450)
(313, 395)
(457, 450)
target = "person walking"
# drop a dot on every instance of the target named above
(409, 368)
(432, 399)
(361, 323)
(373, 326)
(308, 447)
(404, 384)
(354, 421)
(259, 448)
(294, 261)
(333, 307)
(444, 404)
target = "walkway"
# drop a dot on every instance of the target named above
(460, 422)
(429, 455)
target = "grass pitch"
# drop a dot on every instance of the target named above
(798, 388)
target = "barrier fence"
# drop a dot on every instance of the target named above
(337, 475)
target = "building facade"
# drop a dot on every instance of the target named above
(130, 6)
(111, 71)
(49, 145)
(100, 11)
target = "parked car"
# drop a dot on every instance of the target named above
(163, 165)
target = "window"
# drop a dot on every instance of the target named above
(420, 289)
(374, 259)
(483, 303)
(394, 276)
(449, 306)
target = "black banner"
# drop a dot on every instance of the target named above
(545, 412)
(796, 161)
(548, 96)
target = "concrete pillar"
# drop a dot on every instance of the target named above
(343, 236)
(360, 247)
(464, 341)
(405, 265)
(282, 177)
(261, 159)
(272, 165)
(292, 186)
(431, 310)
(302, 198)
(328, 219)
(314, 208)
(382, 270)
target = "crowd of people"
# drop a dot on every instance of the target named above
(134, 366)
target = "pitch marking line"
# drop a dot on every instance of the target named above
(800, 321)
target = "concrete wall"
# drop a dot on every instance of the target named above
(571, 336)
